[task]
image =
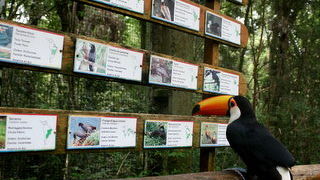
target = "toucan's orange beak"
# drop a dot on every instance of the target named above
(218, 105)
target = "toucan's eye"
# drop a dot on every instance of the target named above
(232, 104)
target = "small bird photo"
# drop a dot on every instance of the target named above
(90, 57)
(209, 134)
(164, 9)
(160, 70)
(213, 25)
(6, 34)
(3, 127)
(84, 131)
(155, 133)
(212, 80)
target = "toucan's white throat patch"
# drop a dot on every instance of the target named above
(284, 172)
(235, 114)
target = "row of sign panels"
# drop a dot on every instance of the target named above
(158, 5)
(30, 132)
(39, 48)
(184, 14)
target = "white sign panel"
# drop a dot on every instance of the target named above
(177, 12)
(87, 132)
(22, 132)
(30, 46)
(165, 134)
(220, 82)
(105, 60)
(222, 28)
(131, 5)
(213, 134)
(173, 73)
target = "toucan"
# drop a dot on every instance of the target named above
(266, 158)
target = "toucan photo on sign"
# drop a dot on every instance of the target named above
(220, 82)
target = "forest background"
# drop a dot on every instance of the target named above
(281, 64)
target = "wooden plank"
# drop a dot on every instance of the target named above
(147, 17)
(62, 127)
(304, 172)
(310, 172)
(68, 63)
(218, 175)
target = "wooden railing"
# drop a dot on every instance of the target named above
(301, 172)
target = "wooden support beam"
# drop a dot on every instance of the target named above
(211, 57)
(301, 172)
(207, 156)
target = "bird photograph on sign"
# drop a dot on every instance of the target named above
(90, 57)
(155, 133)
(214, 24)
(5, 41)
(265, 156)
(84, 131)
(209, 133)
(160, 70)
(164, 9)
(3, 127)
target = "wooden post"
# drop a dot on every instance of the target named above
(211, 56)
(211, 48)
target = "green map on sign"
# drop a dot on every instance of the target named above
(49, 132)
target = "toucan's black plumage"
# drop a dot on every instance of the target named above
(266, 158)
(259, 150)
